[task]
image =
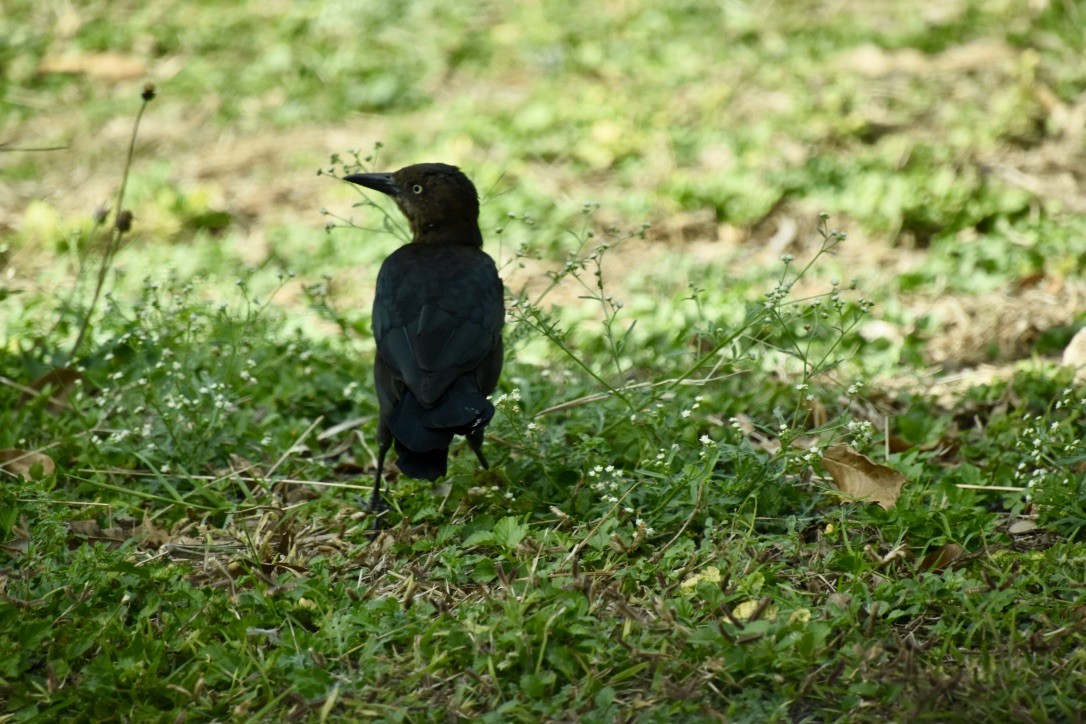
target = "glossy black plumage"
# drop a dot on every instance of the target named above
(437, 319)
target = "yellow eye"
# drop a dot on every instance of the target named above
(417, 189)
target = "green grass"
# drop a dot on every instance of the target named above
(657, 538)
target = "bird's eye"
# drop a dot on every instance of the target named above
(417, 189)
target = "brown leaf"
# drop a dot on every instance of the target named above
(942, 557)
(60, 381)
(1021, 527)
(861, 478)
(91, 531)
(108, 65)
(20, 543)
(898, 444)
(151, 536)
(15, 547)
(21, 462)
(87, 527)
(1074, 356)
(840, 601)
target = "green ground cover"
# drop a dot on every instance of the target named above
(703, 373)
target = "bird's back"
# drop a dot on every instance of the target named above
(438, 314)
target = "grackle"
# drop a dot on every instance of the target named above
(437, 319)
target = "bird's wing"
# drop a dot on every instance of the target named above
(437, 314)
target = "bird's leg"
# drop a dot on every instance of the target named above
(377, 506)
(475, 439)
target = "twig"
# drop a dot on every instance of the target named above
(994, 488)
(4, 149)
(296, 443)
(121, 224)
(243, 478)
(597, 396)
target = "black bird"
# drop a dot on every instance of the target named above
(437, 318)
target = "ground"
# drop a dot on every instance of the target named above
(663, 533)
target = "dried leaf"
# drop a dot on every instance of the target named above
(898, 444)
(151, 536)
(745, 610)
(942, 557)
(861, 478)
(839, 601)
(60, 381)
(1019, 527)
(20, 542)
(1074, 356)
(711, 574)
(108, 65)
(15, 547)
(88, 527)
(21, 462)
(90, 530)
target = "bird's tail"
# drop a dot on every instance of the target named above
(423, 434)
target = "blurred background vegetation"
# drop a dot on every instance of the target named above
(954, 127)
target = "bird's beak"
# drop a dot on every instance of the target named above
(377, 181)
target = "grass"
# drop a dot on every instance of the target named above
(186, 453)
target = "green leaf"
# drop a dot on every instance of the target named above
(478, 538)
(509, 532)
(536, 685)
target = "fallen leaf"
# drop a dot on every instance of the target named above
(878, 329)
(942, 557)
(1020, 527)
(60, 382)
(20, 542)
(898, 444)
(89, 530)
(21, 462)
(1074, 356)
(861, 478)
(839, 601)
(711, 574)
(88, 527)
(150, 535)
(747, 609)
(15, 547)
(108, 65)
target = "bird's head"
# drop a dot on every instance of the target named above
(439, 201)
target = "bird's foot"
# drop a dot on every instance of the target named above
(378, 511)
